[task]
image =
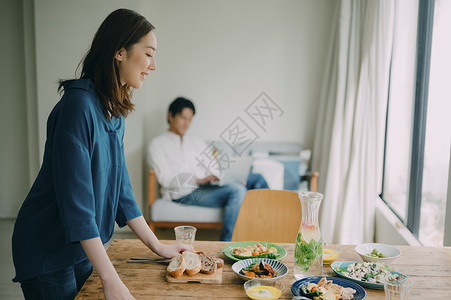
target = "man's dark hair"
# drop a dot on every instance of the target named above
(179, 104)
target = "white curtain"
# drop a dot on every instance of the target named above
(348, 149)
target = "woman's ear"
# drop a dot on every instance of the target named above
(120, 54)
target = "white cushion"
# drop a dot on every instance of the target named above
(165, 210)
(271, 170)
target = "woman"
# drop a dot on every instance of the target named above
(83, 186)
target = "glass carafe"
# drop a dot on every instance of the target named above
(308, 252)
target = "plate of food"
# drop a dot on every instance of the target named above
(254, 249)
(325, 288)
(367, 274)
(264, 269)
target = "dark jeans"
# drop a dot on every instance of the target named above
(256, 181)
(58, 285)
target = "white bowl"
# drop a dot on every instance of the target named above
(279, 267)
(389, 251)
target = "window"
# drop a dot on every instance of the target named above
(418, 128)
(438, 130)
(400, 108)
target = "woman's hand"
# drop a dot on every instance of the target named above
(208, 179)
(142, 230)
(116, 290)
(171, 250)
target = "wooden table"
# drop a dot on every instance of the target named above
(428, 267)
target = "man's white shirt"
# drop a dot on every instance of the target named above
(174, 159)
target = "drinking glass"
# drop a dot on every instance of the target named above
(185, 234)
(397, 289)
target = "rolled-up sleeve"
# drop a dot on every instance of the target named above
(127, 208)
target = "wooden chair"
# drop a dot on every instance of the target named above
(312, 179)
(155, 194)
(269, 216)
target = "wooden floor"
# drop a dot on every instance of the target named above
(12, 291)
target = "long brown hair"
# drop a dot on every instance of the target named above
(121, 29)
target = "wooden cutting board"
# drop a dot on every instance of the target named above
(214, 278)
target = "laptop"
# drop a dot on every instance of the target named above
(237, 171)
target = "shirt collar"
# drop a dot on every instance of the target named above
(85, 84)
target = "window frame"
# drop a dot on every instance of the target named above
(423, 60)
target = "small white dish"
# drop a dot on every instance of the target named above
(390, 252)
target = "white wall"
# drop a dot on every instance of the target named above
(13, 123)
(221, 54)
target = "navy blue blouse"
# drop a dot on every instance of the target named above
(82, 188)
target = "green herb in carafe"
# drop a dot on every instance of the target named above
(308, 253)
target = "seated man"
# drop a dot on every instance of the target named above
(173, 157)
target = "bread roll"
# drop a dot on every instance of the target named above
(219, 262)
(208, 264)
(193, 264)
(177, 266)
